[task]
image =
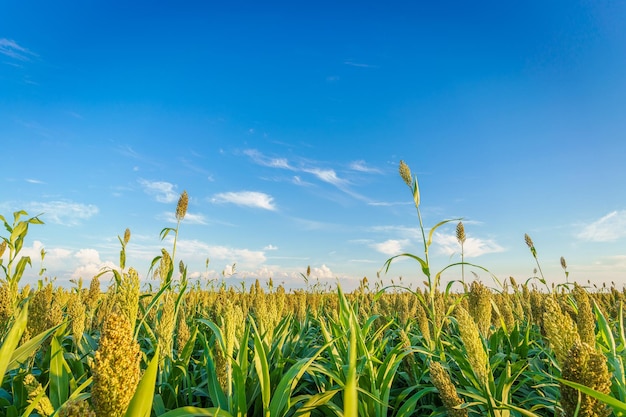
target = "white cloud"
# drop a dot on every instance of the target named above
(323, 272)
(391, 247)
(197, 250)
(34, 181)
(607, 229)
(270, 247)
(261, 159)
(326, 175)
(89, 264)
(362, 167)
(448, 244)
(164, 192)
(11, 49)
(65, 213)
(246, 198)
(190, 218)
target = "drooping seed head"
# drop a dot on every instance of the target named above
(405, 173)
(181, 207)
(447, 392)
(529, 241)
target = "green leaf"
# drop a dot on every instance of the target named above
(618, 406)
(190, 411)
(262, 368)
(7, 350)
(141, 403)
(22, 353)
(59, 376)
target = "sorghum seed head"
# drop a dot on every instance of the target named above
(115, 368)
(181, 207)
(528, 240)
(405, 173)
(563, 263)
(587, 366)
(126, 236)
(460, 232)
(447, 392)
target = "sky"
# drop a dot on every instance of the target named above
(286, 121)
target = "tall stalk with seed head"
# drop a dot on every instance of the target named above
(181, 211)
(460, 236)
(533, 251)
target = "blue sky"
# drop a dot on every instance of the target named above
(286, 121)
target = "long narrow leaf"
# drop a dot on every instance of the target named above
(59, 376)
(141, 403)
(11, 341)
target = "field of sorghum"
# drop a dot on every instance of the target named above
(185, 350)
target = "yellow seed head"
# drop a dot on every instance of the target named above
(166, 323)
(126, 236)
(447, 392)
(585, 319)
(563, 263)
(44, 407)
(405, 173)
(559, 328)
(115, 367)
(470, 336)
(460, 233)
(479, 303)
(76, 313)
(80, 408)
(586, 366)
(181, 207)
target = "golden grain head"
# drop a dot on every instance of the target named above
(34, 389)
(405, 173)
(126, 236)
(460, 232)
(563, 263)
(116, 367)
(181, 207)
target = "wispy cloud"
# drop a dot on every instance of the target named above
(361, 166)
(34, 181)
(608, 228)
(164, 192)
(190, 218)
(359, 64)
(261, 159)
(246, 198)
(65, 213)
(448, 244)
(326, 175)
(270, 247)
(10, 48)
